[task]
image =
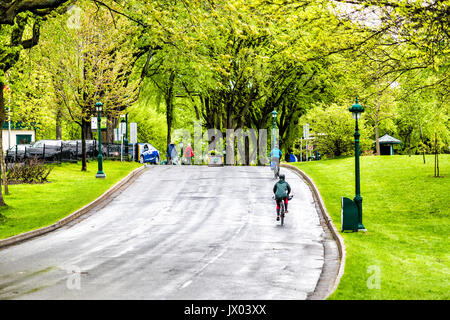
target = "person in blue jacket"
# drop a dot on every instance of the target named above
(275, 157)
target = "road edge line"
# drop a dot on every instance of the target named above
(329, 222)
(74, 215)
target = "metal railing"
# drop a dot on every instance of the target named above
(68, 152)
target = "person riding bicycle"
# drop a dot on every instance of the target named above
(281, 189)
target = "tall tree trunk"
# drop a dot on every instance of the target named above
(85, 126)
(377, 137)
(111, 125)
(58, 124)
(169, 106)
(436, 157)
(409, 148)
(423, 145)
(377, 114)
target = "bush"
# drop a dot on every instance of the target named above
(30, 171)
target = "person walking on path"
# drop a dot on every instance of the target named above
(188, 153)
(172, 154)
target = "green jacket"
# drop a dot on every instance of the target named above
(280, 188)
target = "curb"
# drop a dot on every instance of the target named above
(38, 232)
(329, 222)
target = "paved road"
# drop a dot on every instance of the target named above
(177, 232)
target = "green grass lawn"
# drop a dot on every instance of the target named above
(32, 206)
(406, 212)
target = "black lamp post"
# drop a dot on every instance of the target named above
(100, 173)
(357, 110)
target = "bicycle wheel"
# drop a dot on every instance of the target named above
(282, 213)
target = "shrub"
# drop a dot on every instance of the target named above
(30, 171)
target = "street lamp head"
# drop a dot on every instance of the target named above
(274, 114)
(356, 109)
(99, 106)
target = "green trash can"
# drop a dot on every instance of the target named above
(349, 215)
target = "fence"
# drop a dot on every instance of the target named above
(68, 152)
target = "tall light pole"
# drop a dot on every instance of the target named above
(100, 173)
(125, 139)
(357, 110)
(9, 110)
(126, 135)
(274, 122)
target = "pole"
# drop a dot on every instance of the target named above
(274, 137)
(9, 121)
(100, 173)
(301, 149)
(126, 135)
(358, 198)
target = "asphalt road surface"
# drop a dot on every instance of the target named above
(177, 232)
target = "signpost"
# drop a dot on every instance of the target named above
(133, 132)
(306, 137)
(116, 135)
(133, 136)
(122, 130)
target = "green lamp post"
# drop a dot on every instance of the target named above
(274, 122)
(100, 173)
(357, 110)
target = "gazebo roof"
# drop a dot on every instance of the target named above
(387, 139)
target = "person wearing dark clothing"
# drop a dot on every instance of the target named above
(172, 154)
(281, 190)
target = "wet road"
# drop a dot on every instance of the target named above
(177, 232)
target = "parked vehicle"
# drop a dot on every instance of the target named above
(17, 153)
(75, 148)
(45, 149)
(149, 154)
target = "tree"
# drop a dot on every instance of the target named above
(334, 129)
(11, 45)
(15, 17)
(414, 36)
(91, 63)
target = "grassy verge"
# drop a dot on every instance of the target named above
(30, 207)
(405, 253)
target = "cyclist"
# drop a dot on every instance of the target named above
(275, 158)
(281, 189)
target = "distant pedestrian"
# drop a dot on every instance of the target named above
(172, 154)
(188, 153)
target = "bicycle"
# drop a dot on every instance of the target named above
(282, 208)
